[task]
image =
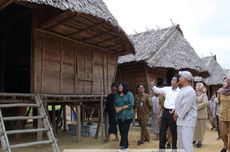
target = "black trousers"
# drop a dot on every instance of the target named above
(124, 130)
(167, 121)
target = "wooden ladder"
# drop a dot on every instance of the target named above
(43, 126)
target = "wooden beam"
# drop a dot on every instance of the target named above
(75, 40)
(114, 44)
(58, 19)
(97, 35)
(107, 40)
(87, 28)
(5, 3)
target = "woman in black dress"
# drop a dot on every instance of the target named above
(110, 110)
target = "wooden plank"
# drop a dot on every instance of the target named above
(5, 3)
(97, 71)
(22, 118)
(18, 105)
(38, 49)
(31, 144)
(43, 62)
(33, 56)
(61, 63)
(87, 28)
(74, 40)
(52, 57)
(58, 19)
(68, 67)
(11, 132)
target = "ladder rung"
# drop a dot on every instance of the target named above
(25, 131)
(18, 105)
(31, 144)
(22, 118)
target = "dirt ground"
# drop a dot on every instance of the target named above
(65, 141)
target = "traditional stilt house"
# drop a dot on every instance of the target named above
(159, 55)
(217, 74)
(64, 50)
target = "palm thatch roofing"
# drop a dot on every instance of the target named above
(227, 71)
(217, 74)
(164, 48)
(89, 21)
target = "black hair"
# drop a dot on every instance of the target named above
(125, 87)
(139, 86)
(177, 77)
(113, 85)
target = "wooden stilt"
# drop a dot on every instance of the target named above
(106, 124)
(64, 114)
(98, 127)
(78, 131)
(54, 120)
(102, 120)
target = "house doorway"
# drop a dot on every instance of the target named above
(15, 49)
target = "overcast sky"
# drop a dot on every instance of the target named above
(205, 23)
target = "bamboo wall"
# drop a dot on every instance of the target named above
(67, 67)
(132, 77)
(142, 75)
(153, 74)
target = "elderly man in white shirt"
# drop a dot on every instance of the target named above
(186, 112)
(170, 94)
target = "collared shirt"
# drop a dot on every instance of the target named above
(143, 106)
(170, 95)
(186, 108)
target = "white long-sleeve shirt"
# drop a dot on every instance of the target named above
(170, 95)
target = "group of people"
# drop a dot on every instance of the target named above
(178, 112)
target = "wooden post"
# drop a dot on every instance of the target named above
(78, 123)
(64, 114)
(98, 124)
(54, 120)
(106, 124)
(39, 134)
(83, 114)
(102, 120)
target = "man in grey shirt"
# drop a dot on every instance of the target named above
(185, 112)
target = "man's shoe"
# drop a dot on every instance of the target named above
(140, 142)
(223, 150)
(199, 145)
(168, 146)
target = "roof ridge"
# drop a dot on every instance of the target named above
(155, 30)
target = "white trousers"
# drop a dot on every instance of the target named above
(185, 138)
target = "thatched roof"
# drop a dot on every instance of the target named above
(217, 74)
(92, 7)
(90, 19)
(227, 71)
(164, 48)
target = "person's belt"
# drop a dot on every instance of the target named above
(168, 109)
